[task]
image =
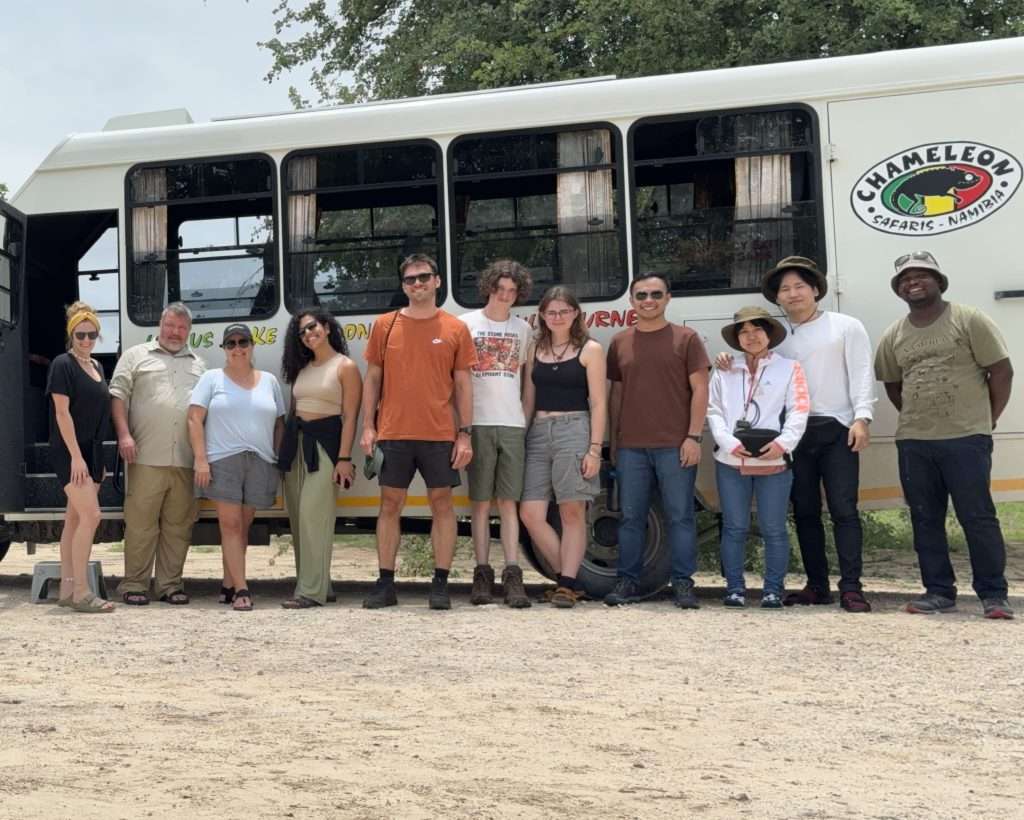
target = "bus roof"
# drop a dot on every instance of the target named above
(879, 74)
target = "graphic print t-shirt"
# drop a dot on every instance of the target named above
(497, 374)
(943, 370)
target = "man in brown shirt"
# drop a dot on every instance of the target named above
(659, 397)
(418, 367)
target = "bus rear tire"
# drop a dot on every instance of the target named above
(598, 572)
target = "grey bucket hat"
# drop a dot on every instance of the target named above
(922, 260)
(770, 281)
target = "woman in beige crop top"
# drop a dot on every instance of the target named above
(326, 394)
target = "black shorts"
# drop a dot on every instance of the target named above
(432, 458)
(60, 460)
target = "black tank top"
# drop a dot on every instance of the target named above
(561, 387)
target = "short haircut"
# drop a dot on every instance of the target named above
(506, 269)
(658, 276)
(417, 259)
(178, 309)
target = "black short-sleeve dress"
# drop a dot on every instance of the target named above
(89, 402)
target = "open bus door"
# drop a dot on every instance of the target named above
(12, 364)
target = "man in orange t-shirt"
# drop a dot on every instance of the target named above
(419, 360)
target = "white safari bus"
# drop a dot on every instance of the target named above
(704, 178)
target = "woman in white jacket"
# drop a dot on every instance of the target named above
(757, 413)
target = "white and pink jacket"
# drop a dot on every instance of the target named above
(780, 384)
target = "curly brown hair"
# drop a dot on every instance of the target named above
(506, 269)
(578, 333)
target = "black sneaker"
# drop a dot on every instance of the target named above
(483, 585)
(930, 604)
(734, 600)
(383, 595)
(626, 591)
(771, 600)
(997, 609)
(683, 595)
(439, 597)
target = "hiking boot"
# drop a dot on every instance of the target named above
(439, 597)
(854, 601)
(997, 609)
(771, 600)
(929, 604)
(483, 585)
(683, 595)
(383, 595)
(735, 600)
(625, 591)
(808, 596)
(512, 584)
(565, 598)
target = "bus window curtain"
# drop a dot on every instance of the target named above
(587, 252)
(149, 240)
(302, 227)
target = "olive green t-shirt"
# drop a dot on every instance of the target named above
(943, 371)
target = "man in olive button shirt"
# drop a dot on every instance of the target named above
(150, 391)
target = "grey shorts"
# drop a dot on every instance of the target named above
(499, 459)
(555, 447)
(244, 478)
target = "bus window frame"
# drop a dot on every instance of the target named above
(18, 265)
(817, 178)
(620, 197)
(442, 226)
(275, 243)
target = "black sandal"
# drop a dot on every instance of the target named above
(135, 598)
(242, 593)
(227, 595)
(178, 598)
(300, 602)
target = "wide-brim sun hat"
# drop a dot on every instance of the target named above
(731, 332)
(770, 281)
(922, 260)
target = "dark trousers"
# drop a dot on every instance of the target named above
(824, 457)
(931, 473)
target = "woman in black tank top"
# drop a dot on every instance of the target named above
(566, 407)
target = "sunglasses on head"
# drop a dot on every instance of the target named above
(413, 278)
(82, 335)
(644, 295)
(231, 344)
(306, 328)
(921, 256)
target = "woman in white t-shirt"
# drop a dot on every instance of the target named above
(235, 422)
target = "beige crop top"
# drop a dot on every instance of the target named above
(317, 390)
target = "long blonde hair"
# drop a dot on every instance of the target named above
(578, 333)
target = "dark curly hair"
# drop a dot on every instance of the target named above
(296, 354)
(506, 269)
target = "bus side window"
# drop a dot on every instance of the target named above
(720, 197)
(548, 199)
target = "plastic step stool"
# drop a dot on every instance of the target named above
(47, 573)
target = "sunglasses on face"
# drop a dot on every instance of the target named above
(82, 335)
(644, 295)
(422, 278)
(558, 314)
(306, 328)
(921, 256)
(231, 344)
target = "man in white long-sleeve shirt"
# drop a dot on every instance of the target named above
(835, 352)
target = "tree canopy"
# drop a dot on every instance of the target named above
(383, 49)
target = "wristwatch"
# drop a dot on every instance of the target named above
(699, 439)
(468, 429)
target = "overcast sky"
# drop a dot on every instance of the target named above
(68, 66)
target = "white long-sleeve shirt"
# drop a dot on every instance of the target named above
(780, 383)
(835, 352)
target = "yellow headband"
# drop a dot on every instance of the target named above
(82, 316)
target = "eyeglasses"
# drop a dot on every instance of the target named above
(231, 344)
(82, 335)
(413, 278)
(921, 256)
(558, 314)
(305, 329)
(644, 295)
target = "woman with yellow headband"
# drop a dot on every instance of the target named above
(79, 416)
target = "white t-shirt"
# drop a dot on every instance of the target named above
(835, 353)
(239, 420)
(497, 375)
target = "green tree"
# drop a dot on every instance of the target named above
(3, 191)
(381, 49)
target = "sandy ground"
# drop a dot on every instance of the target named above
(483, 712)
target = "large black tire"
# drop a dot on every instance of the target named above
(4, 546)
(598, 571)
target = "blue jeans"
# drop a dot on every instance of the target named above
(735, 493)
(636, 468)
(933, 471)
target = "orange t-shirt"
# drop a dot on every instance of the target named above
(419, 374)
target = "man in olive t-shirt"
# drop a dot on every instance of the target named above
(659, 397)
(946, 369)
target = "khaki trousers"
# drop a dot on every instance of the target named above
(311, 500)
(159, 510)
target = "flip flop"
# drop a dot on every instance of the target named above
(227, 595)
(90, 603)
(242, 593)
(178, 598)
